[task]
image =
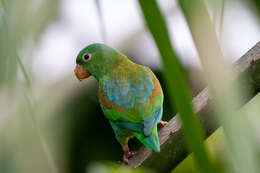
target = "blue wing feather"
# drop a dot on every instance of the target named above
(137, 127)
(146, 126)
(152, 121)
(126, 91)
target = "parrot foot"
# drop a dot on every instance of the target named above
(161, 124)
(127, 154)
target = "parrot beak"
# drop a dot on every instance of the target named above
(81, 73)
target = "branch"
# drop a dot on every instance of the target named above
(173, 148)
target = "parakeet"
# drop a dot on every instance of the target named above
(130, 95)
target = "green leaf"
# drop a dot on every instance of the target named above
(177, 83)
(227, 94)
(217, 144)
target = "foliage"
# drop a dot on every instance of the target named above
(60, 127)
(114, 168)
(177, 83)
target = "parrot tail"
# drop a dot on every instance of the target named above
(151, 141)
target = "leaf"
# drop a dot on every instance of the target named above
(177, 83)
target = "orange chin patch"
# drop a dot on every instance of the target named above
(81, 73)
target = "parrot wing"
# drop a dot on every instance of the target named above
(145, 131)
(152, 121)
(133, 101)
(129, 88)
(146, 126)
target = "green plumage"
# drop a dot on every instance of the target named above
(129, 94)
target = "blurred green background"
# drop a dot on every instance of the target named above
(49, 121)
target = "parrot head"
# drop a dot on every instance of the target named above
(96, 59)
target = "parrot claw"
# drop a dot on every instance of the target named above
(127, 154)
(161, 124)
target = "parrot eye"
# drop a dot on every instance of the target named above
(86, 57)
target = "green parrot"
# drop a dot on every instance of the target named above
(130, 95)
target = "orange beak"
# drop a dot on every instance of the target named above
(81, 72)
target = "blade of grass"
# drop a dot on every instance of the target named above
(217, 144)
(218, 16)
(12, 42)
(177, 83)
(32, 114)
(26, 76)
(101, 21)
(219, 76)
(173, 149)
(222, 11)
(42, 139)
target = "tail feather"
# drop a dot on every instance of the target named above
(151, 141)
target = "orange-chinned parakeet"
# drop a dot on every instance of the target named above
(130, 95)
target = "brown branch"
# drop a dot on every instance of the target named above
(173, 148)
